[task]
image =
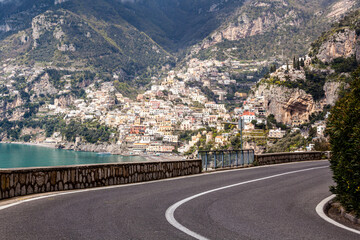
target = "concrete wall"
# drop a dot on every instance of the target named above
(273, 158)
(19, 182)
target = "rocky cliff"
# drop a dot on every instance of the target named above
(293, 95)
(248, 23)
(344, 43)
(294, 105)
(273, 28)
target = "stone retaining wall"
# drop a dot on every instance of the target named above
(25, 181)
(273, 158)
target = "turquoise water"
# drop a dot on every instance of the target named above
(19, 156)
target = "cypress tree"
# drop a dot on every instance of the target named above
(298, 65)
(344, 131)
(294, 62)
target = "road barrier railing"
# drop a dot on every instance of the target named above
(216, 159)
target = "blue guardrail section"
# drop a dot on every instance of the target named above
(212, 160)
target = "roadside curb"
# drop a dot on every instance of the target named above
(324, 206)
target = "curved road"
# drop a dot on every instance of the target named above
(279, 207)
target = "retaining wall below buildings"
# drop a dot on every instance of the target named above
(273, 158)
(25, 181)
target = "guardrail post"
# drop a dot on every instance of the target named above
(248, 162)
(230, 159)
(206, 161)
(242, 158)
(222, 159)
(214, 160)
(236, 158)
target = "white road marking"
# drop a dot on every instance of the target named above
(320, 211)
(171, 210)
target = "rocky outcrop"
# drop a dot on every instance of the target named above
(48, 21)
(44, 86)
(288, 105)
(5, 28)
(252, 145)
(344, 43)
(65, 47)
(331, 90)
(294, 105)
(340, 8)
(88, 147)
(60, 1)
(247, 22)
(64, 101)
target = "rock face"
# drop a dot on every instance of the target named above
(340, 8)
(341, 44)
(44, 86)
(287, 105)
(244, 26)
(5, 28)
(49, 21)
(294, 105)
(331, 92)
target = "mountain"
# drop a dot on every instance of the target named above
(139, 37)
(311, 86)
(171, 23)
(75, 75)
(272, 29)
(134, 39)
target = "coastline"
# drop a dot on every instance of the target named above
(47, 145)
(149, 157)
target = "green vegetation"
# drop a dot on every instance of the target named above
(341, 65)
(271, 123)
(344, 131)
(318, 116)
(290, 142)
(313, 84)
(125, 89)
(90, 132)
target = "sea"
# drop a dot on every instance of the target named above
(22, 156)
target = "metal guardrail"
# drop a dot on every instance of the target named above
(225, 158)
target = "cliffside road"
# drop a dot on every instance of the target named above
(270, 207)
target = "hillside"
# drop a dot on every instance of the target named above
(133, 40)
(310, 85)
(272, 29)
(66, 39)
(83, 102)
(173, 24)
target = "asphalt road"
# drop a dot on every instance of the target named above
(281, 207)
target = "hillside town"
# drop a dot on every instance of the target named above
(174, 115)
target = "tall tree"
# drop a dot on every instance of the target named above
(344, 131)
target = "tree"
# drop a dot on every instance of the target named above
(298, 64)
(312, 132)
(294, 62)
(344, 131)
(287, 66)
(302, 62)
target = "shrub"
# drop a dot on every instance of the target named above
(344, 132)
